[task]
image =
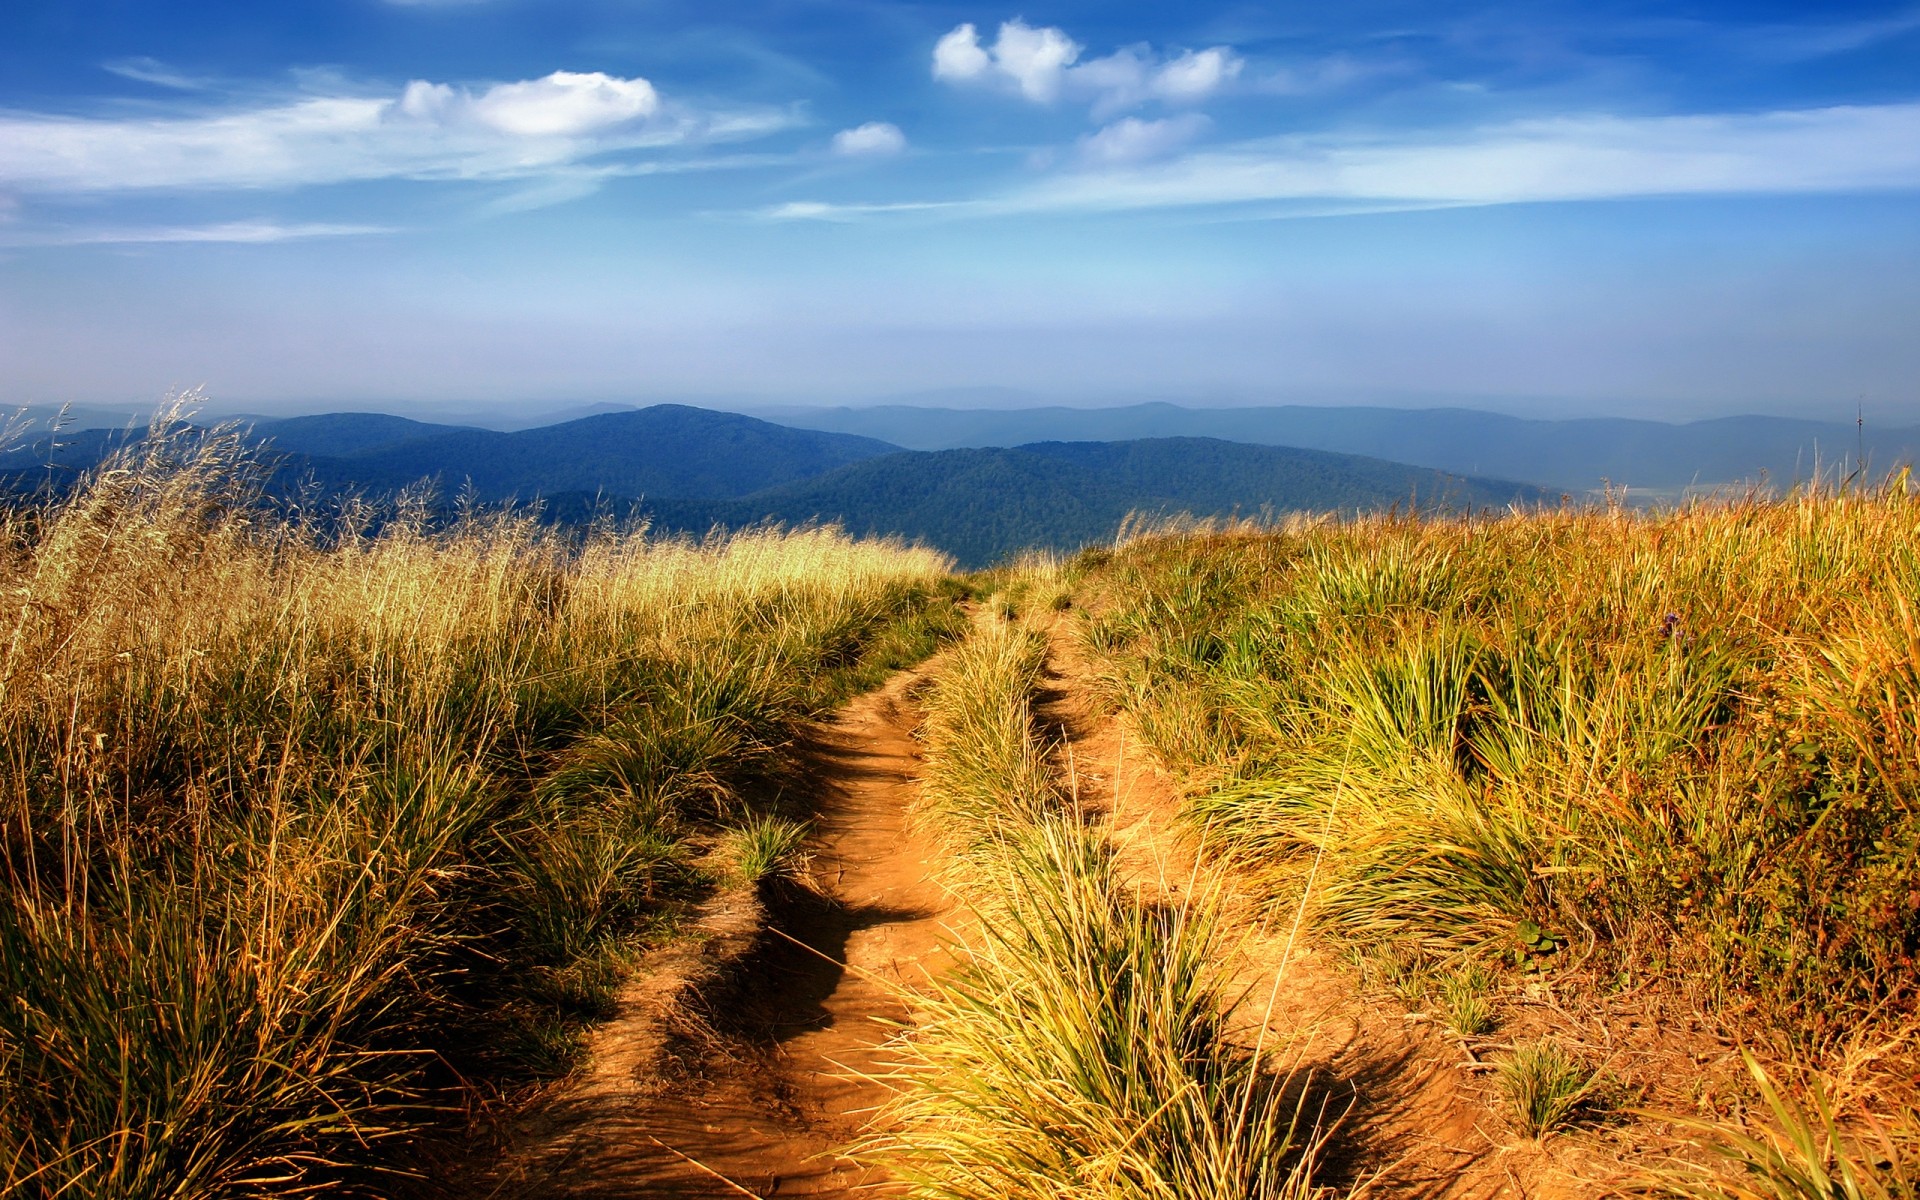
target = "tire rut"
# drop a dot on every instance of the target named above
(748, 1076)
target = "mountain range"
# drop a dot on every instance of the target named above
(690, 469)
(1576, 455)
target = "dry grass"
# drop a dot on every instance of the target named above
(309, 825)
(1675, 749)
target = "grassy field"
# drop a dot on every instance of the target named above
(327, 834)
(1620, 753)
(319, 834)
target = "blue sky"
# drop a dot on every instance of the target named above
(1648, 209)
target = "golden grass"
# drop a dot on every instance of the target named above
(1673, 748)
(312, 823)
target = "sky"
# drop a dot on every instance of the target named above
(1673, 210)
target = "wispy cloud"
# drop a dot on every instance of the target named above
(1822, 39)
(245, 232)
(1840, 149)
(152, 71)
(1131, 139)
(513, 130)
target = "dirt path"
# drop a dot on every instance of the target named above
(743, 1071)
(1423, 1122)
(742, 1061)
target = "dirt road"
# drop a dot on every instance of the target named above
(747, 1057)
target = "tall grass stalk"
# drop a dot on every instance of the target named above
(1797, 1150)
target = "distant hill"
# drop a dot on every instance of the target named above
(691, 469)
(981, 505)
(347, 433)
(668, 450)
(1574, 455)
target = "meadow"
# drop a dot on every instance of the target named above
(328, 830)
(324, 832)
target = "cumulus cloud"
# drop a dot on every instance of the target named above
(1044, 64)
(873, 138)
(1131, 139)
(429, 131)
(959, 56)
(1033, 60)
(563, 104)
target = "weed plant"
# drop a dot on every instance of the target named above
(308, 825)
(1543, 1084)
(1465, 999)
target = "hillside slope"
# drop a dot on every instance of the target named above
(345, 433)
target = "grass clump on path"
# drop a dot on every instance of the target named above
(1081, 1048)
(1543, 1084)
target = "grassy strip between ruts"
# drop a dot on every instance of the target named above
(318, 834)
(1080, 1049)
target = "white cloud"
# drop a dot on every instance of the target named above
(1131, 139)
(564, 104)
(1033, 60)
(151, 70)
(1196, 74)
(959, 56)
(872, 139)
(430, 131)
(1043, 64)
(247, 232)
(1842, 149)
(1568, 158)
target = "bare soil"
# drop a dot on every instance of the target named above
(746, 1057)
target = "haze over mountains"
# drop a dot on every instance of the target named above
(983, 483)
(1574, 455)
(690, 469)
